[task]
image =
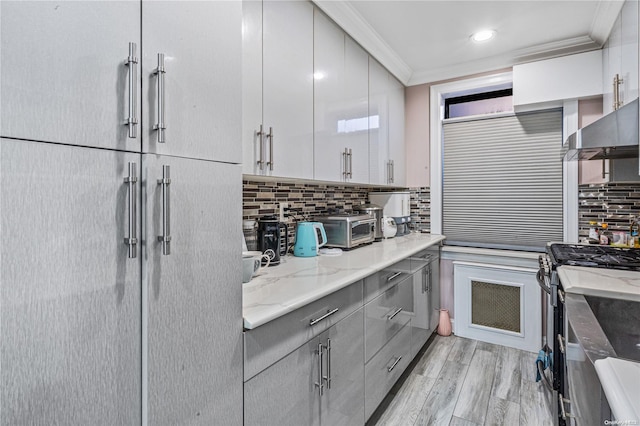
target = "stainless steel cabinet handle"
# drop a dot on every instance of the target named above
(430, 286)
(391, 278)
(132, 63)
(328, 314)
(319, 383)
(260, 135)
(350, 156)
(160, 72)
(394, 364)
(165, 238)
(617, 103)
(424, 280)
(561, 343)
(270, 137)
(393, 171)
(132, 240)
(327, 378)
(392, 316)
(345, 167)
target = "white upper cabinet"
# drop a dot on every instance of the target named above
(378, 123)
(341, 147)
(190, 67)
(67, 89)
(287, 89)
(396, 163)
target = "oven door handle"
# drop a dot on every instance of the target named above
(541, 281)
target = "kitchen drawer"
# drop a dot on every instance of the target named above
(270, 342)
(378, 283)
(384, 369)
(386, 315)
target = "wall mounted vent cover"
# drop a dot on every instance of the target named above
(495, 306)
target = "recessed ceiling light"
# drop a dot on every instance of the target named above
(481, 36)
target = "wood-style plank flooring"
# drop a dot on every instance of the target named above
(460, 381)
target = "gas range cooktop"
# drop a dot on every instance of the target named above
(595, 256)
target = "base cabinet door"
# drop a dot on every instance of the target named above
(193, 293)
(70, 295)
(343, 402)
(287, 393)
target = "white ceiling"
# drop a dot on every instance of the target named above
(423, 41)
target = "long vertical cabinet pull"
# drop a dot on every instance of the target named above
(327, 378)
(165, 238)
(430, 279)
(350, 156)
(345, 167)
(260, 135)
(132, 63)
(160, 72)
(131, 240)
(320, 383)
(270, 137)
(424, 280)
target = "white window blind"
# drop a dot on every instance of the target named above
(502, 181)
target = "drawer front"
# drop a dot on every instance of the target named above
(270, 342)
(381, 281)
(381, 373)
(386, 315)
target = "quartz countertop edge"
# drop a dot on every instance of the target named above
(601, 282)
(297, 281)
(620, 381)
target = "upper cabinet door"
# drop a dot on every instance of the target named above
(288, 87)
(253, 149)
(70, 318)
(396, 133)
(191, 79)
(330, 141)
(64, 74)
(378, 122)
(194, 292)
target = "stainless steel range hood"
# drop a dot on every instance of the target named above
(613, 136)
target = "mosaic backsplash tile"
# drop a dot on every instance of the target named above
(420, 209)
(612, 203)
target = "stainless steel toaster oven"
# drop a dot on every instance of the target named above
(348, 230)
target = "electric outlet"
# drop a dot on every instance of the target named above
(282, 207)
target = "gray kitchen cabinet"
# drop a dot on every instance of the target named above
(277, 76)
(192, 107)
(426, 298)
(321, 382)
(70, 295)
(193, 291)
(64, 75)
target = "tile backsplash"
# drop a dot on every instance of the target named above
(306, 200)
(612, 203)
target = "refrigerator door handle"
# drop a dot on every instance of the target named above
(132, 63)
(160, 72)
(165, 238)
(132, 240)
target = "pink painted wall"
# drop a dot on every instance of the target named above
(416, 134)
(589, 110)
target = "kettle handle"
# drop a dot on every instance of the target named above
(318, 225)
(286, 238)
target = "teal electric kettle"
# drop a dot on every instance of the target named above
(310, 236)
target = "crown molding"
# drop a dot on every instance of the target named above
(605, 17)
(509, 59)
(350, 20)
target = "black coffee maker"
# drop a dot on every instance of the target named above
(273, 235)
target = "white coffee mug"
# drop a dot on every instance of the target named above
(251, 261)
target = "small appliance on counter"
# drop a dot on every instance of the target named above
(389, 228)
(375, 212)
(310, 236)
(348, 230)
(273, 235)
(396, 205)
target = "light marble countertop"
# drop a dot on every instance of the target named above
(601, 282)
(620, 381)
(298, 281)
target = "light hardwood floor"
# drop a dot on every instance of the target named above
(460, 381)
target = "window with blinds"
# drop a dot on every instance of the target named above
(502, 181)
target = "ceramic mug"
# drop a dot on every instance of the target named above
(251, 264)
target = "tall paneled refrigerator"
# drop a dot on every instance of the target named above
(120, 193)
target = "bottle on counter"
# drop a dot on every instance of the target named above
(594, 235)
(604, 237)
(634, 233)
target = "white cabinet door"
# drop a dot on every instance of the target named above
(330, 139)
(612, 65)
(252, 141)
(629, 51)
(378, 123)
(200, 102)
(288, 86)
(70, 317)
(64, 77)
(396, 132)
(193, 294)
(356, 110)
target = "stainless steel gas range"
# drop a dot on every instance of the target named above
(554, 324)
